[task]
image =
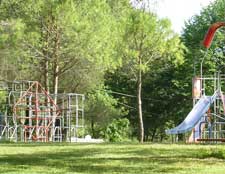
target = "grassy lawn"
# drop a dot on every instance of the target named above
(112, 158)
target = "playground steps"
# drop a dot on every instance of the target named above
(211, 139)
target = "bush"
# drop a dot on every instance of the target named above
(118, 130)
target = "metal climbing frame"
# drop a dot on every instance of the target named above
(9, 93)
(207, 122)
(29, 114)
(72, 107)
(212, 125)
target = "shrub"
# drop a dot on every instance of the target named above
(118, 130)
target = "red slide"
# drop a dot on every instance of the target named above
(211, 32)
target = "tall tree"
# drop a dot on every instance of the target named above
(146, 42)
(64, 39)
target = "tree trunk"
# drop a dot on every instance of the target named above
(161, 137)
(56, 80)
(139, 88)
(92, 127)
(153, 134)
(56, 63)
(46, 76)
(146, 134)
(45, 51)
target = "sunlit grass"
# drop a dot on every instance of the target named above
(112, 158)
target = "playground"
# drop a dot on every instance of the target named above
(111, 158)
(32, 114)
(206, 119)
(109, 87)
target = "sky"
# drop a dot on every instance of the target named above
(179, 11)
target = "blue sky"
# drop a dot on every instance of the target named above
(180, 10)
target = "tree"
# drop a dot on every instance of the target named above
(64, 37)
(101, 108)
(10, 39)
(146, 41)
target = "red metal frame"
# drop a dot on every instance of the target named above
(36, 93)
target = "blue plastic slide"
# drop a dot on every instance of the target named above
(200, 108)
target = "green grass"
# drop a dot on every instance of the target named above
(112, 158)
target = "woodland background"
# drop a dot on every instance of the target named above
(134, 70)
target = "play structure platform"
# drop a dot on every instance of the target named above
(206, 120)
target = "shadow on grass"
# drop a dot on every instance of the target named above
(93, 161)
(179, 153)
(63, 163)
(96, 159)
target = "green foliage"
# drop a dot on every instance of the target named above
(87, 33)
(193, 36)
(2, 102)
(101, 108)
(161, 52)
(118, 130)
(152, 40)
(107, 43)
(101, 102)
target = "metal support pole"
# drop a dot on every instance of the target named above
(201, 72)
